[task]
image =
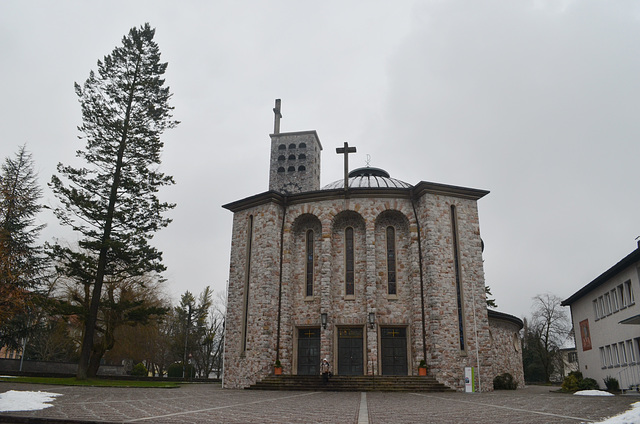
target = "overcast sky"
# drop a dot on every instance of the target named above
(536, 101)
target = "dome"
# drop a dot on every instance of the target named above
(368, 178)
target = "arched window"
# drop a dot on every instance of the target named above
(302, 146)
(292, 157)
(391, 260)
(291, 169)
(282, 147)
(281, 169)
(301, 168)
(281, 158)
(292, 146)
(302, 156)
(349, 280)
(456, 263)
(309, 256)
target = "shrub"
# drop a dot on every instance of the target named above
(588, 384)
(175, 370)
(574, 382)
(571, 383)
(140, 370)
(612, 384)
(504, 382)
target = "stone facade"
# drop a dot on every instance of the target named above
(295, 162)
(417, 288)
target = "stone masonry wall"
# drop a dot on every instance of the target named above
(369, 217)
(507, 350)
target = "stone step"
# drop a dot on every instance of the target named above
(351, 383)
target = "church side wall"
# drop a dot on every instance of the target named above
(243, 368)
(446, 359)
(507, 350)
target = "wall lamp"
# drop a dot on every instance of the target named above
(372, 319)
(323, 320)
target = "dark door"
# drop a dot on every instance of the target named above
(394, 350)
(309, 351)
(350, 351)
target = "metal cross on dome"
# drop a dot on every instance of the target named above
(345, 151)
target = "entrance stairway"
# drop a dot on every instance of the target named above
(348, 383)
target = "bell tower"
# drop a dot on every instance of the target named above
(295, 159)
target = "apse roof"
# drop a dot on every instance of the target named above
(368, 177)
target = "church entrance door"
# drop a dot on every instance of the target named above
(350, 358)
(309, 351)
(394, 350)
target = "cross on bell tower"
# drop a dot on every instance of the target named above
(345, 151)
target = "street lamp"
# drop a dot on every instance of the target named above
(372, 319)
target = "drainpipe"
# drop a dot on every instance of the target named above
(284, 214)
(424, 330)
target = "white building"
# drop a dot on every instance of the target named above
(606, 321)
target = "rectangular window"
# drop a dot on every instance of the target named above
(349, 276)
(456, 261)
(595, 309)
(607, 304)
(309, 256)
(601, 307)
(614, 300)
(572, 357)
(628, 292)
(391, 260)
(632, 352)
(615, 355)
(623, 299)
(603, 358)
(623, 353)
(607, 349)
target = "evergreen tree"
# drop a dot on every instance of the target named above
(21, 261)
(112, 202)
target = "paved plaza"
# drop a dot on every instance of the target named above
(208, 403)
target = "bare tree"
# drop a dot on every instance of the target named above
(547, 330)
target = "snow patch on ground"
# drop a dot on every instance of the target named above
(14, 400)
(629, 417)
(592, 393)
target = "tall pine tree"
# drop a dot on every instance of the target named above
(21, 261)
(112, 202)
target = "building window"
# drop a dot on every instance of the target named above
(615, 355)
(628, 292)
(349, 263)
(302, 168)
(614, 300)
(302, 146)
(282, 147)
(623, 353)
(603, 358)
(609, 356)
(291, 169)
(302, 157)
(247, 279)
(281, 169)
(623, 298)
(391, 261)
(292, 146)
(601, 307)
(572, 357)
(456, 262)
(292, 157)
(607, 304)
(309, 256)
(595, 309)
(281, 158)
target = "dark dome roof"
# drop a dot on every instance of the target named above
(368, 178)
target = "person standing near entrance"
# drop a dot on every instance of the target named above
(325, 370)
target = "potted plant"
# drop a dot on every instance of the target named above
(277, 368)
(422, 368)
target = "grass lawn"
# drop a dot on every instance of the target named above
(72, 381)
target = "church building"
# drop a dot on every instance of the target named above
(371, 272)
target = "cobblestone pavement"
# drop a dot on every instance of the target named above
(208, 403)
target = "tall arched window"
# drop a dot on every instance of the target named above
(349, 262)
(309, 279)
(391, 260)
